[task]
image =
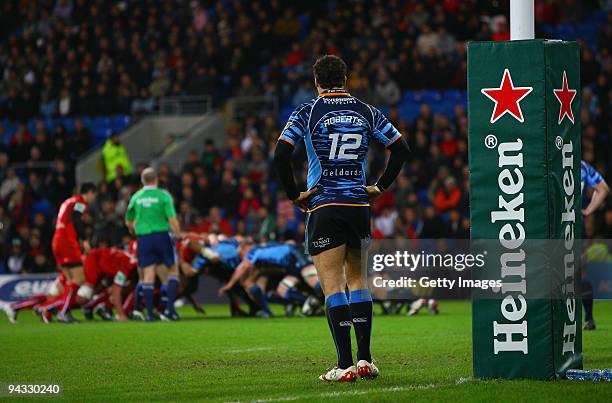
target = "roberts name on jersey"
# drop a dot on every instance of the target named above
(336, 129)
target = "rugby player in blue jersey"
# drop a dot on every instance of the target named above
(217, 258)
(336, 129)
(277, 266)
(593, 183)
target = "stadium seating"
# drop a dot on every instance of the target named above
(101, 127)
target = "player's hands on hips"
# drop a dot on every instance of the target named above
(302, 200)
(373, 191)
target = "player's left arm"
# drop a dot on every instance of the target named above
(236, 275)
(77, 221)
(600, 192)
(392, 139)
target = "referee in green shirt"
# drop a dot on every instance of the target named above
(151, 215)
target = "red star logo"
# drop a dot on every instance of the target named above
(507, 98)
(565, 97)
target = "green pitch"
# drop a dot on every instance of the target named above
(423, 358)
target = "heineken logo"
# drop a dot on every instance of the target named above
(507, 98)
(568, 218)
(565, 96)
(511, 333)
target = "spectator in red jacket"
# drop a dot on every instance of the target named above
(249, 204)
(448, 196)
(216, 223)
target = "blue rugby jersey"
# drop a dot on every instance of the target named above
(589, 176)
(272, 254)
(336, 128)
(228, 255)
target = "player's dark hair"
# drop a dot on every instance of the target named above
(330, 71)
(88, 187)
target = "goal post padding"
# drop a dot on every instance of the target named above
(525, 185)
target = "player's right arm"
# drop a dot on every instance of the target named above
(385, 133)
(119, 281)
(293, 132)
(115, 293)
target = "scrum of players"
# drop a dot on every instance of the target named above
(270, 272)
(253, 274)
(105, 281)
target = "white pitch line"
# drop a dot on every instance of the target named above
(392, 389)
(248, 350)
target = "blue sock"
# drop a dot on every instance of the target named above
(260, 298)
(147, 290)
(361, 314)
(339, 320)
(294, 295)
(173, 283)
(275, 298)
(163, 296)
(138, 297)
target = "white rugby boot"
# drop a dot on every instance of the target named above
(340, 375)
(367, 369)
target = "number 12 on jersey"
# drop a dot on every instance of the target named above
(351, 141)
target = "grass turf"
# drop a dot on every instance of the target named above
(422, 358)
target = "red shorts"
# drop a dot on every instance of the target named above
(66, 252)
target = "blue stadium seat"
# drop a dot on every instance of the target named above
(409, 96)
(453, 95)
(423, 199)
(102, 133)
(428, 96)
(304, 20)
(32, 126)
(119, 123)
(284, 114)
(409, 111)
(445, 217)
(68, 123)
(43, 206)
(86, 121)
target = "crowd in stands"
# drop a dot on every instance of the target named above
(61, 58)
